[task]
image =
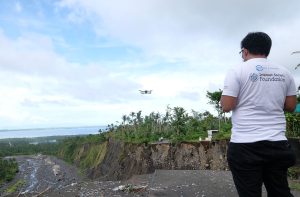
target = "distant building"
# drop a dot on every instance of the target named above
(210, 134)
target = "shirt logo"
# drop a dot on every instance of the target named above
(253, 77)
(259, 67)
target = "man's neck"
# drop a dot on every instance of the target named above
(251, 56)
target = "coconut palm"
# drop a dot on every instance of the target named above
(298, 64)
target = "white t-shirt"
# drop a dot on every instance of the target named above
(261, 88)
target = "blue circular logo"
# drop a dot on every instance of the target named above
(253, 77)
(259, 67)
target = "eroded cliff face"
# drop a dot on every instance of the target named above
(122, 160)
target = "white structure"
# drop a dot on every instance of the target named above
(210, 134)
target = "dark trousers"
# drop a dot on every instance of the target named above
(253, 164)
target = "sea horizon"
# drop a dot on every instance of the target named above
(50, 131)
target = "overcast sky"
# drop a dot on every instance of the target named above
(83, 62)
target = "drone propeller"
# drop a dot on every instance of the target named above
(295, 52)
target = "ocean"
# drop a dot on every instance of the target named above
(44, 132)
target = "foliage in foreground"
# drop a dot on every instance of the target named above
(15, 187)
(294, 174)
(8, 169)
(294, 185)
(292, 124)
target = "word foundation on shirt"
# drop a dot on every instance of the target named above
(272, 77)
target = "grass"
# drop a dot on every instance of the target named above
(294, 185)
(13, 188)
(94, 156)
(294, 172)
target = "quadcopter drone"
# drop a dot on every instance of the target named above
(145, 91)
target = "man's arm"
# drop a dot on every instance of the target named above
(290, 103)
(228, 103)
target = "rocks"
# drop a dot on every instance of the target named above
(122, 160)
(56, 170)
(44, 173)
(130, 188)
(167, 183)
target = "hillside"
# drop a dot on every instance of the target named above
(115, 160)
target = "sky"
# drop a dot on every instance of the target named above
(83, 62)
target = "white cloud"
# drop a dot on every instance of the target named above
(18, 7)
(179, 29)
(203, 34)
(194, 42)
(39, 84)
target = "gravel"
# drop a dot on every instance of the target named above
(51, 177)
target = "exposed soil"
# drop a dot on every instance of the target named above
(41, 173)
(51, 177)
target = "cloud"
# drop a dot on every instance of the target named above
(189, 95)
(202, 34)
(50, 73)
(18, 7)
(180, 29)
(38, 84)
(179, 49)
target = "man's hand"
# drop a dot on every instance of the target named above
(228, 103)
(290, 103)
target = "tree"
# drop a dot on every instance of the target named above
(139, 117)
(214, 99)
(298, 96)
(124, 119)
(179, 119)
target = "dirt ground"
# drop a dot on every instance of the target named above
(51, 177)
(40, 173)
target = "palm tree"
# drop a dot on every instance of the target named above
(179, 118)
(295, 69)
(124, 118)
(214, 99)
(295, 53)
(132, 115)
(139, 117)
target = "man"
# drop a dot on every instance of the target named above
(258, 92)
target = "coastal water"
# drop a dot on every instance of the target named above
(43, 132)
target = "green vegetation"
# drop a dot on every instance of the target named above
(292, 124)
(30, 146)
(94, 156)
(294, 172)
(8, 169)
(15, 187)
(294, 185)
(23, 146)
(88, 151)
(175, 125)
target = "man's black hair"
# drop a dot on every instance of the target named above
(257, 43)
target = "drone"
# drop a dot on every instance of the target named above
(145, 91)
